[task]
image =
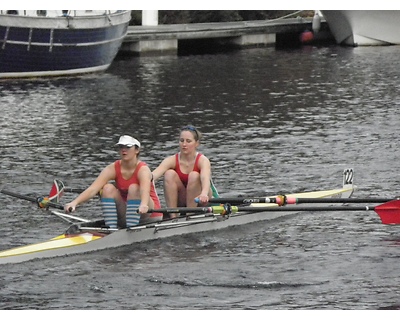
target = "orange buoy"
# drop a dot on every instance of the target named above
(306, 37)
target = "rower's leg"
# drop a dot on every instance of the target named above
(193, 189)
(132, 216)
(113, 207)
(174, 191)
(110, 212)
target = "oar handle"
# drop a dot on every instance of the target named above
(33, 199)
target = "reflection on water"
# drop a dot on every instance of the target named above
(274, 121)
(264, 113)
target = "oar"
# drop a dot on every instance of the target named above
(389, 212)
(42, 202)
(56, 191)
(60, 185)
(281, 200)
(73, 190)
(68, 217)
(70, 189)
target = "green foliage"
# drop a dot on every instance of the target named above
(203, 16)
(136, 18)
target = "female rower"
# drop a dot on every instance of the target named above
(187, 174)
(127, 202)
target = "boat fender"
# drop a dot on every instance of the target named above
(316, 22)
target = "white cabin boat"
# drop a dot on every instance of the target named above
(364, 27)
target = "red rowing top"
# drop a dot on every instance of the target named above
(123, 184)
(185, 176)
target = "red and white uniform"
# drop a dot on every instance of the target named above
(123, 184)
(185, 176)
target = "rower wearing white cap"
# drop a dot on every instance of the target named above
(126, 202)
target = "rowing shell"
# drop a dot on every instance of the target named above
(93, 236)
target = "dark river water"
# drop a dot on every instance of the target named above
(274, 121)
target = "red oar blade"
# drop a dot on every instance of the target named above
(389, 212)
(57, 191)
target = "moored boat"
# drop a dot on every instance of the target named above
(91, 236)
(38, 43)
(364, 27)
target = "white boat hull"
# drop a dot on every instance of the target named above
(364, 27)
(89, 241)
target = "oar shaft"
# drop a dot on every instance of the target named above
(342, 200)
(301, 208)
(291, 200)
(183, 210)
(244, 200)
(234, 209)
(31, 199)
(73, 190)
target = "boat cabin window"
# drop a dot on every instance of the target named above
(41, 13)
(12, 12)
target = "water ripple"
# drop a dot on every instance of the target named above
(274, 121)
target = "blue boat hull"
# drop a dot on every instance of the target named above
(53, 50)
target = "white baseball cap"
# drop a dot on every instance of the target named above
(128, 141)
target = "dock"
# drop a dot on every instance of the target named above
(167, 39)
